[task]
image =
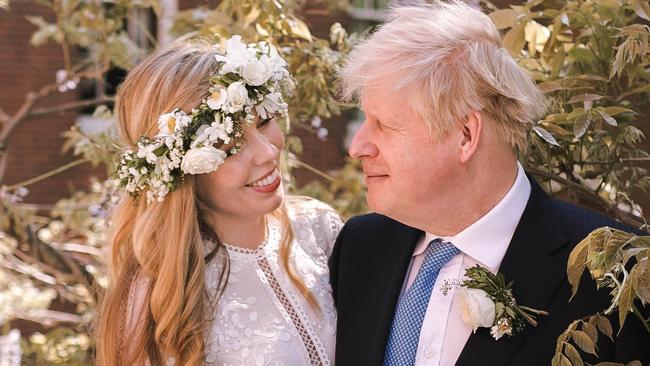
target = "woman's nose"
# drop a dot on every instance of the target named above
(263, 149)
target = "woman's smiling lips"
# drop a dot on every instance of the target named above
(269, 183)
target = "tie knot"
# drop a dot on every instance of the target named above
(439, 252)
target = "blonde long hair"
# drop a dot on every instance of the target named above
(163, 242)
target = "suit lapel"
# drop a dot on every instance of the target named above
(536, 275)
(389, 271)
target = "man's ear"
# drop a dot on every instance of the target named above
(471, 129)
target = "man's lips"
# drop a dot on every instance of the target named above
(375, 177)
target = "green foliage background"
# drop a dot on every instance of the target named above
(589, 57)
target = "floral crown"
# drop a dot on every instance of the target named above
(252, 78)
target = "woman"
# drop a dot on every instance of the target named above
(208, 264)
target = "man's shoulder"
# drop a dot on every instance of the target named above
(373, 222)
(580, 221)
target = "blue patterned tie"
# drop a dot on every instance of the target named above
(407, 322)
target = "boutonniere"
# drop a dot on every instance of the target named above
(487, 301)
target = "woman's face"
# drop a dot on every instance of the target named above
(248, 184)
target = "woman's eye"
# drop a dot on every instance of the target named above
(264, 122)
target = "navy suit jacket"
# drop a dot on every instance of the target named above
(373, 252)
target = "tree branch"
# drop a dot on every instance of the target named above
(624, 216)
(46, 175)
(70, 106)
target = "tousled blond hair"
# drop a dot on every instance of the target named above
(163, 242)
(448, 60)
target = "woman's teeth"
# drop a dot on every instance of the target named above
(266, 181)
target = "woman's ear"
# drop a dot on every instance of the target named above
(471, 129)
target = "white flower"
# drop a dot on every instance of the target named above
(166, 124)
(202, 160)
(478, 309)
(257, 72)
(236, 55)
(169, 123)
(147, 151)
(502, 327)
(276, 62)
(237, 97)
(271, 105)
(217, 97)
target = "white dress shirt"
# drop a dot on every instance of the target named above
(444, 333)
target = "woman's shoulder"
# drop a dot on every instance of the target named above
(303, 205)
(311, 215)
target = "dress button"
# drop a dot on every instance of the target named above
(428, 353)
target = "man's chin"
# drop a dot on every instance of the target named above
(377, 202)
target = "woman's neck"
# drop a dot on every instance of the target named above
(244, 232)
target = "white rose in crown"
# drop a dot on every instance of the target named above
(237, 97)
(478, 309)
(202, 160)
(236, 55)
(257, 72)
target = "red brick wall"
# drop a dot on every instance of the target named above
(36, 146)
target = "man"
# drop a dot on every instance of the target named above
(447, 109)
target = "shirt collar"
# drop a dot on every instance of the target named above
(487, 239)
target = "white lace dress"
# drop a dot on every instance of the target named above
(261, 318)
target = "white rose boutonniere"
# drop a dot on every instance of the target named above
(477, 307)
(202, 160)
(487, 301)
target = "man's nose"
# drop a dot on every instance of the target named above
(362, 146)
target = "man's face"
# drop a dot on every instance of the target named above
(407, 173)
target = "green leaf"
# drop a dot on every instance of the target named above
(557, 62)
(607, 118)
(604, 326)
(514, 40)
(640, 278)
(625, 303)
(585, 97)
(545, 135)
(251, 16)
(642, 9)
(573, 354)
(582, 55)
(583, 341)
(500, 308)
(577, 263)
(591, 331)
(550, 86)
(505, 18)
(581, 125)
(614, 111)
(564, 361)
(556, 117)
(299, 29)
